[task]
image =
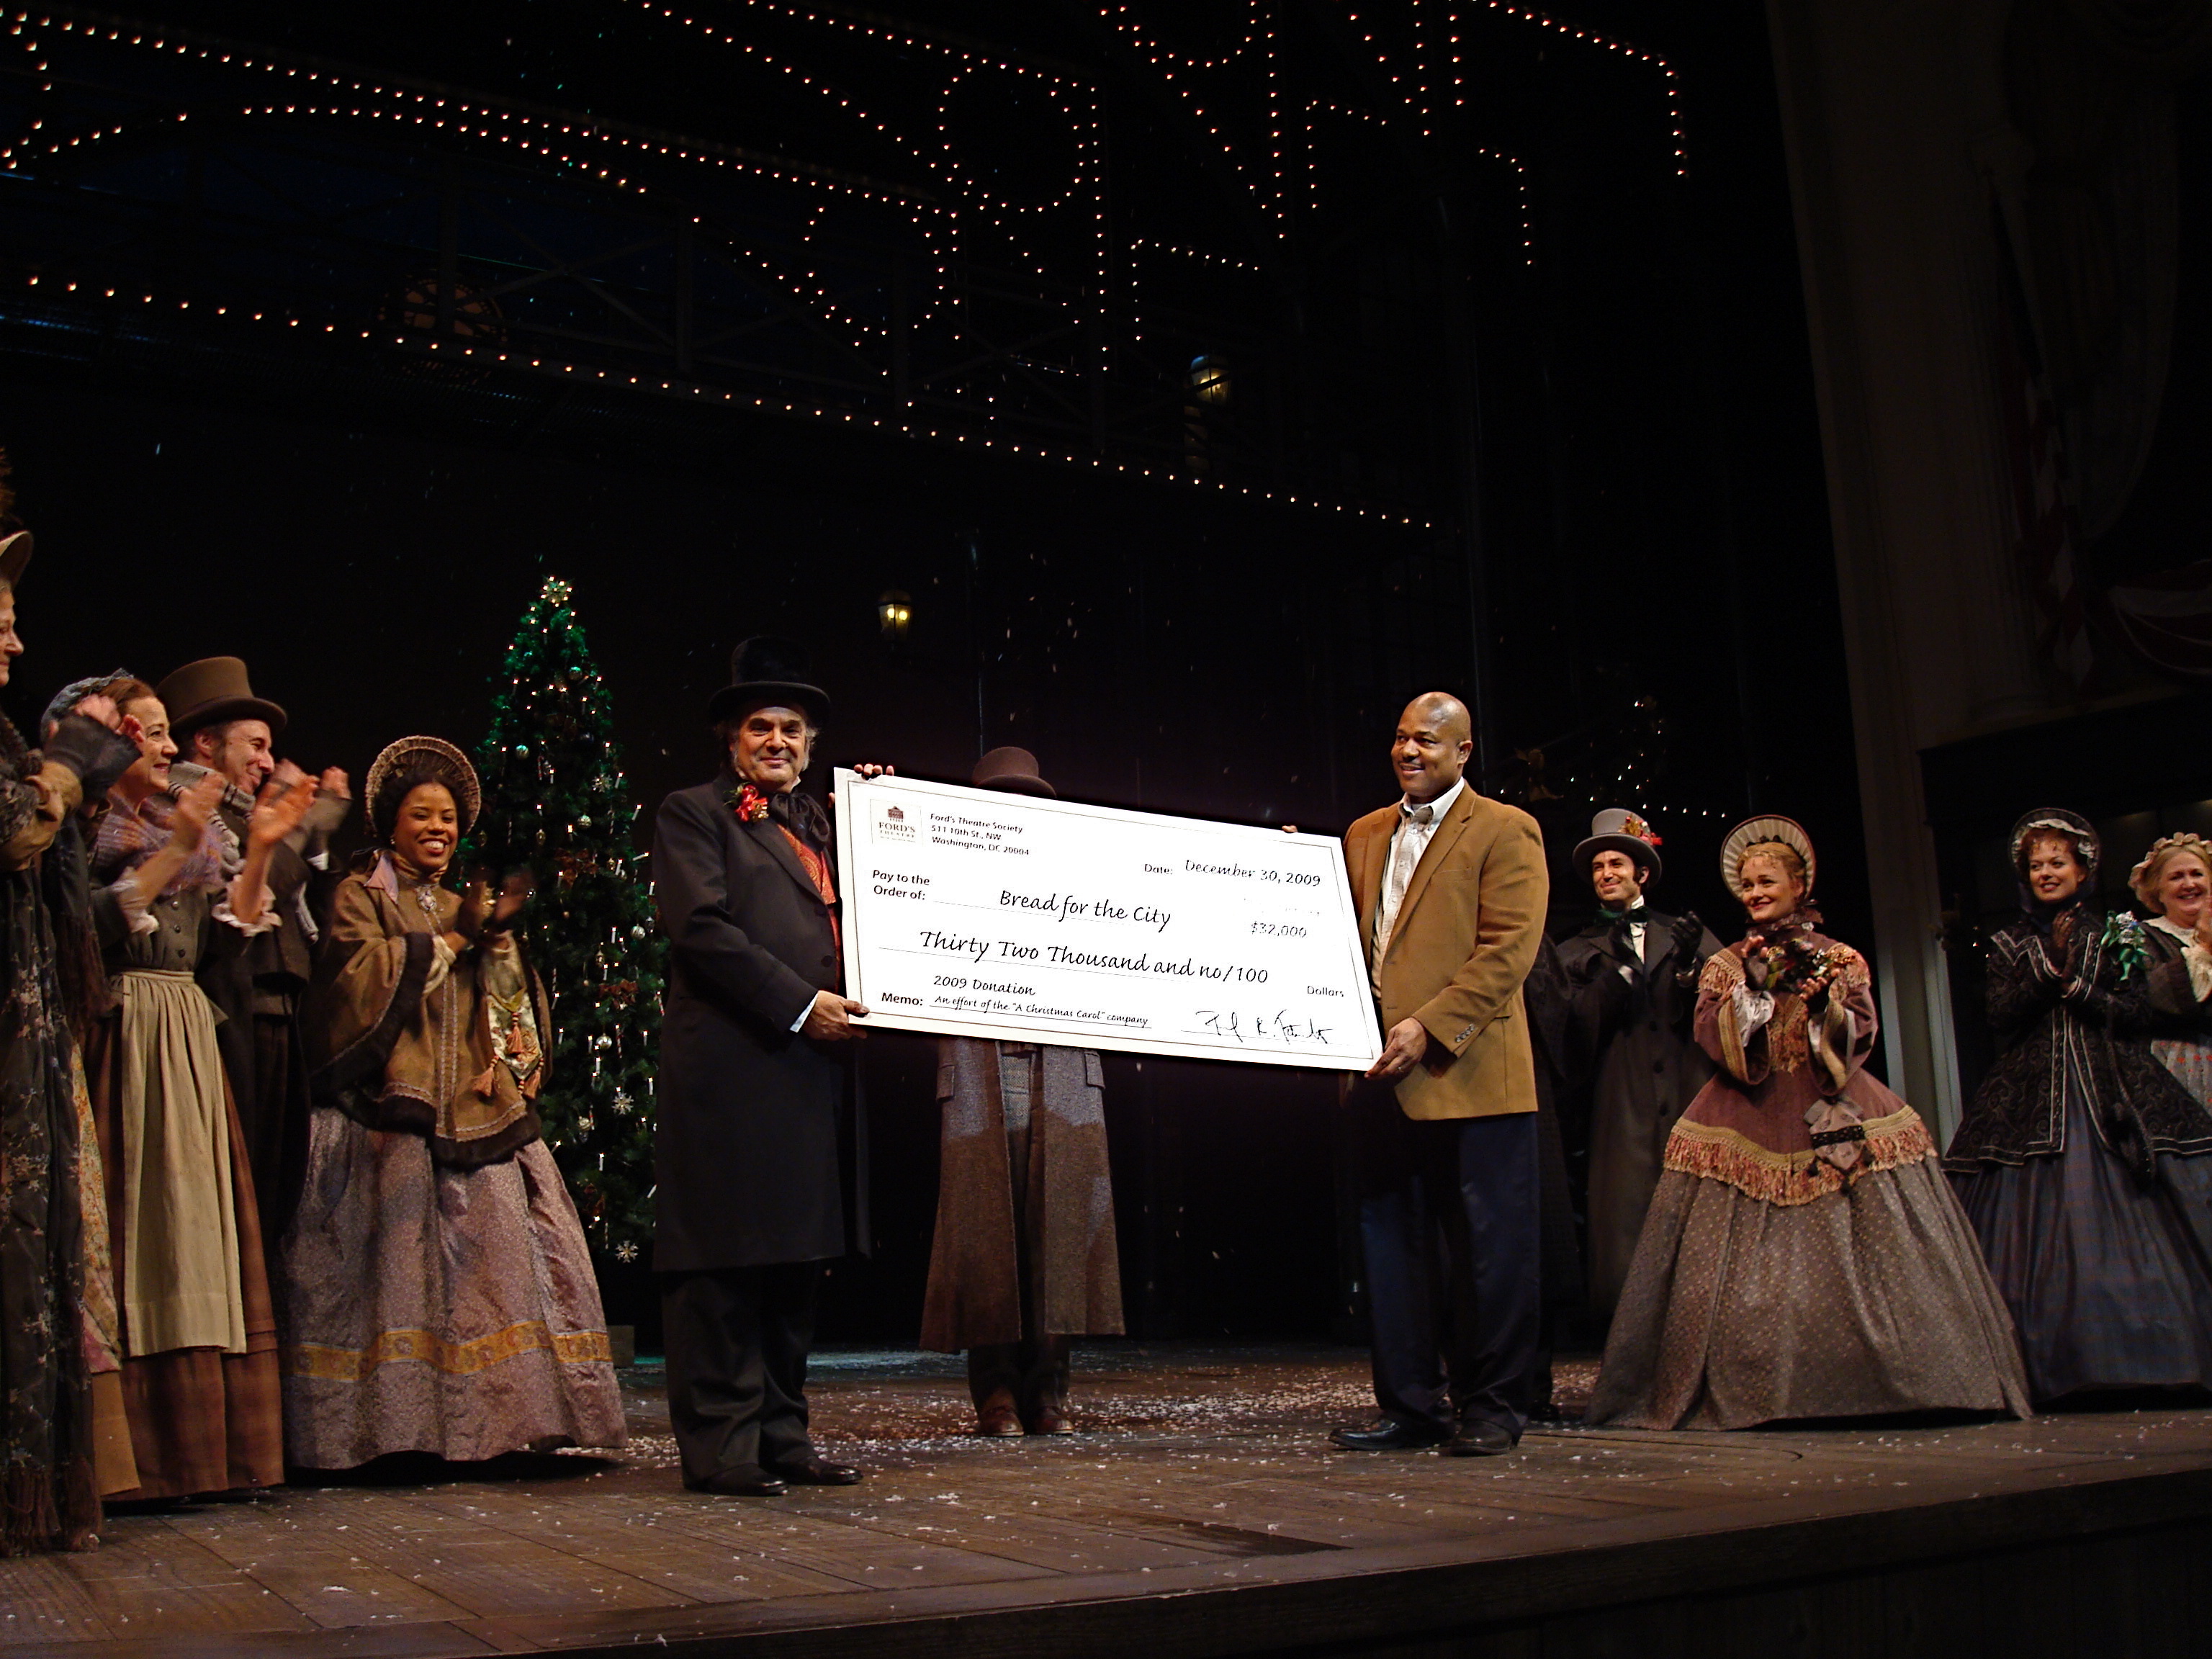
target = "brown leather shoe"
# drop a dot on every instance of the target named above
(996, 1417)
(1050, 1419)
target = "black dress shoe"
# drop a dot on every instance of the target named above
(815, 1472)
(1479, 1439)
(746, 1480)
(1388, 1434)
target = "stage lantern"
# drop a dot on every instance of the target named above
(894, 611)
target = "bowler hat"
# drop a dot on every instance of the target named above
(1011, 768)
(1618, 830)
(211, 691)
(765, 671)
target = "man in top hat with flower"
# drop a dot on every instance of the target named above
(220, 725)
(753, 1087)
(1632, 974)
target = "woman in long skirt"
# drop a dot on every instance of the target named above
(438, 1296)
(1802, 1256)
(2082, 1160)
(198, 1331)
(49, 1162)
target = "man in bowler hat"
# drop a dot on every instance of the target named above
(753, 1088)
(1632, 986)
(1450, 888)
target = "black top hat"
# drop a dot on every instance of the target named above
(1011, 768)
(764, 669)
(211, 691)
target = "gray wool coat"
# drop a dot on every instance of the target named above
(974, 1296)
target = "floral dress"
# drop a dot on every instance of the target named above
(1802, 1256)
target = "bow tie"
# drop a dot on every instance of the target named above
(1640, 914)
(803, 815)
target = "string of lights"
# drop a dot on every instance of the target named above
(517, 360)
(950, 205)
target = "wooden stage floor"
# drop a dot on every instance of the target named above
(1201, 1511)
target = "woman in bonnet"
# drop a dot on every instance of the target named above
(2174, 885)
(1802, 1256)
(2081, 1159)
(438, 1296)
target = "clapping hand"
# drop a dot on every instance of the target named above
(513, 894)
(284, 800)
(195, 807)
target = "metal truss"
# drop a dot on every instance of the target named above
(186, 192)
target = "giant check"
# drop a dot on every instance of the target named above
(980, 913)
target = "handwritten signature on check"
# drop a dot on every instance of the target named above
(1279, 1027)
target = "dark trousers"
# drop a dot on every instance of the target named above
(1031, 1374)
(276, 1133)
(1447, 1225)
(736, 1339)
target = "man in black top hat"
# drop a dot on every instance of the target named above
(1632, 975)
(753, 1090)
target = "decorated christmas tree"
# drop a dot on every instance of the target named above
(554, 800)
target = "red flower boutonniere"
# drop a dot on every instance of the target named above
(751, 805)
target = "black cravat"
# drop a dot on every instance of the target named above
(1639, 914)
(803, 816)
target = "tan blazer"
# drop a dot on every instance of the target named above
(1466, 938)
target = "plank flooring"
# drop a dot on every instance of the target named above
(1197, 1470)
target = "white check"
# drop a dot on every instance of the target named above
(982, 913)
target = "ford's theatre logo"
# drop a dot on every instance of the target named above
(891, 826)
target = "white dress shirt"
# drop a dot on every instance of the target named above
(1417, 826)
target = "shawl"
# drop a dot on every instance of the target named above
(1791, 1116)
(2072, 1028)
(400, 1033)
(128, 836)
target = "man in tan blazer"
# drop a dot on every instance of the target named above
(1451, 890)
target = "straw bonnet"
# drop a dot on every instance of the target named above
(447, 764)
(1752, 834)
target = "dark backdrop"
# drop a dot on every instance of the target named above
(1660, 608)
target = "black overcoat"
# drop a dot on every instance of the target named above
(1632, 1032)
(746, 1142)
